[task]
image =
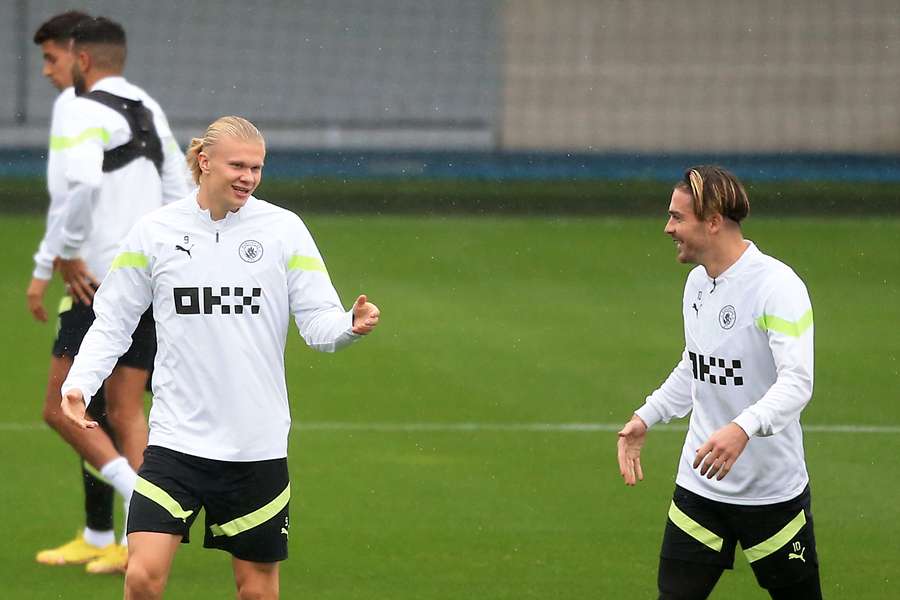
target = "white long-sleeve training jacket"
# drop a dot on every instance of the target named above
(92, 211)
(222, 294)
(56, 188)
(748, 358)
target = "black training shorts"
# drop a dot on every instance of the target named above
(777, 539)
(246, 503)
(76, 318)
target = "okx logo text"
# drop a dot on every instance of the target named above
(223, 300)
(719, 371)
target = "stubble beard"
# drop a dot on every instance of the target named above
(78, 81)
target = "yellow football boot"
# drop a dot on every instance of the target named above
(75, 552)
(113, 560)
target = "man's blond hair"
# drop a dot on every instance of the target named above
(237, 128)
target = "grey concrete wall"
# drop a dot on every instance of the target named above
(697, 75)
(572, 75)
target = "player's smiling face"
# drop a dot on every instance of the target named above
(688, 232)
(232, 170)
(57, 66)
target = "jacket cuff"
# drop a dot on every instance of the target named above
(649, 415)
(748, 422)
(42, 271)
(66, 387)
(69, 252)
(347, 337)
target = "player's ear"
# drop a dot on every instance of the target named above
(714, 222)
(203, 162)
(84, 60)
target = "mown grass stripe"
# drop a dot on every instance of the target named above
(498, 427)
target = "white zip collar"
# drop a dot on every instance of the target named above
(750, 254)
(230, 219)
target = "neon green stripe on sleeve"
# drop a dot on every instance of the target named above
(130, 259)
(61, 142)
(791, 328)
(777, 541)
(306, 263)
(161, 497)
(257, 517)
(694, 529)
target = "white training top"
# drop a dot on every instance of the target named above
(56, 188)
(98, 209)
(222, 294)
(748, 358)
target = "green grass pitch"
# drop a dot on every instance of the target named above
(493, 321)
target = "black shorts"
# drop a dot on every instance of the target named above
(246, 503)
(76, 318)
(777, 539)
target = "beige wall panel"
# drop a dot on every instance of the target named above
(692, 75)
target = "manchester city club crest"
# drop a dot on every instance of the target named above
(727, 317)
(250, 251)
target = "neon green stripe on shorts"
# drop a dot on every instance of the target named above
(161, 497)
(257, 517)
(695, 529)
(777, 541)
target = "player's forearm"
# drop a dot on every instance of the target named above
(118, 305)
(96, 358)
(663, 406)
(44, 257)
(780, 406)
(322, 321)
(43, 262)
(76, 221)
(329, 330)
(788, 396)
(672, 399)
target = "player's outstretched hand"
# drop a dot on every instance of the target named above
(720, 451)
(73, 408)
(35, 297)
(631, 440)
(365, 316)
(81, 282)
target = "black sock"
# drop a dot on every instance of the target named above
(98, 496)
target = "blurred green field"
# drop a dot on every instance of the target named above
(495, 322)
(597, 197)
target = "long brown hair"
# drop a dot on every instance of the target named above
(715, 190)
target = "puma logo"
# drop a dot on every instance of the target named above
(801, 549)
(285, 532)
(185, 250)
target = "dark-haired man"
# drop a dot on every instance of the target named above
(118, 161)
(745, 375)
(95, 544)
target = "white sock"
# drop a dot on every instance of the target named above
(121, 476)
(98, 538)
